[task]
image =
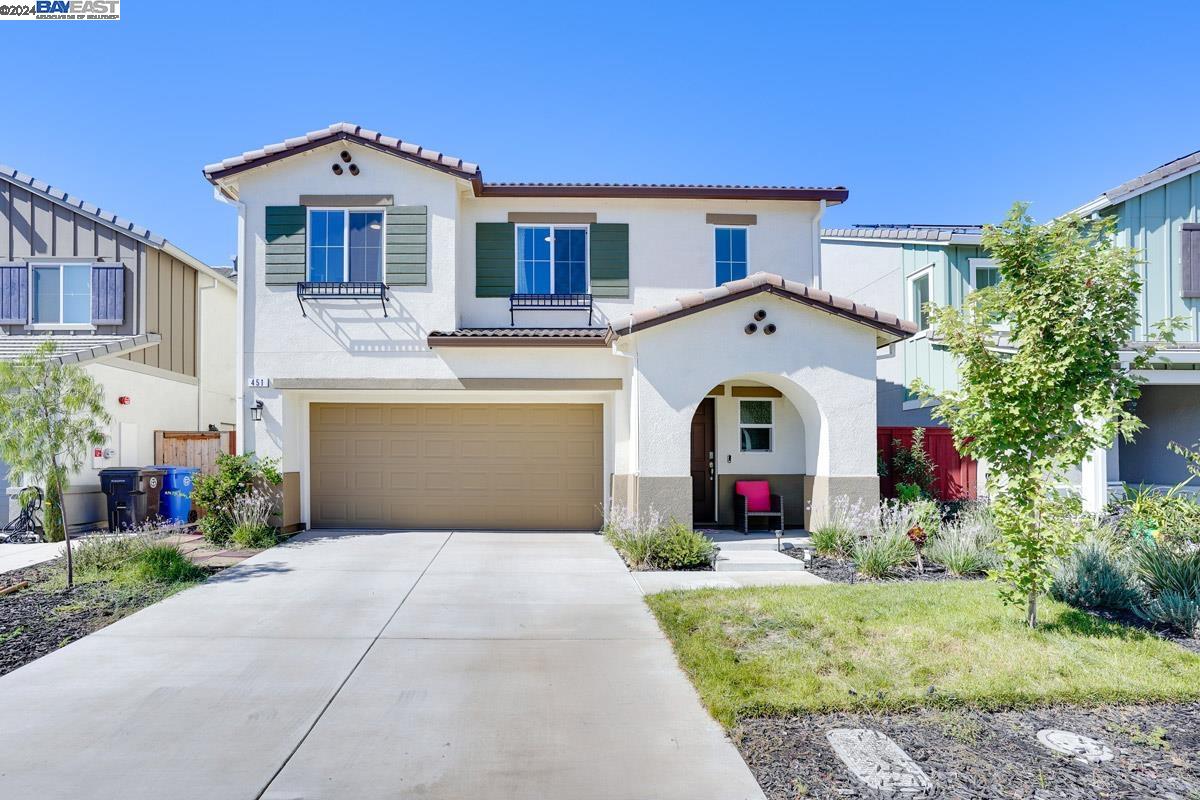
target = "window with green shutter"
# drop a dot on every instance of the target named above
(610, 259)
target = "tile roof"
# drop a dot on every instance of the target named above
(341, 131)
(951, 234)
(520, 337)
(76, 349)
(470, 171)
(78, 204)
(687, 304)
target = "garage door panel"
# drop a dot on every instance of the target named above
(457, 465)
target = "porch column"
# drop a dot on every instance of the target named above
(1094, 481)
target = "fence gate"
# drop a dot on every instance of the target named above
(192, 448)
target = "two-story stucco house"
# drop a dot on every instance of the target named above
(153, 325)
(902, 267)
(423, 348)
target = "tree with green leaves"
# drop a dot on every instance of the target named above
(51, 415)
(1042, 384)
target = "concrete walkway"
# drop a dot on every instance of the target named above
(19, 556)
(392, 665)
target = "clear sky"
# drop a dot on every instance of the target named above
(928, 112)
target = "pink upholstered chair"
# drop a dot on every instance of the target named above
(754, 499)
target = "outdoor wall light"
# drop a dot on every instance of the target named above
(354, 169)
(256, 411)
(770, 328)
(760, 315)
(750, 328)
(346, 156)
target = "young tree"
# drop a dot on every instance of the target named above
(51, 415)
(1045, 387)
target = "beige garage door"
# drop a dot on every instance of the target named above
(503, 466)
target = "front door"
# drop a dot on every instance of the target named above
(704, 442)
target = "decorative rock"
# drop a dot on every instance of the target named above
(878, 762)
(1081, 748)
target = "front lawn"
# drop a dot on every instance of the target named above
(773, 651)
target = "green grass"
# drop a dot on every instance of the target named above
(773, 651)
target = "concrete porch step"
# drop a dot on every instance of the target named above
(756, 561)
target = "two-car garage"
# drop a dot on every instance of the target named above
(457, 465)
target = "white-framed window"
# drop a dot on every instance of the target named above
(60, 295)
(920, 287)
(345, 244)
(552, 259)
(731, 256)
(985, 272)
(756, 425)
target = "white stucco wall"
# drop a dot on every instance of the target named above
(788, 443)
(216, 346)
(824, 365)
(671, 249)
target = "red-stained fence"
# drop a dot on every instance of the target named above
(954, 475)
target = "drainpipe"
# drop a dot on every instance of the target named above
(239, 389)
(816, 245)
(200, 349)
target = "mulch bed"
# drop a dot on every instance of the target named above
(36, 621)
(970, 754)
(842, 570)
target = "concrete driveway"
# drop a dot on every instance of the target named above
(376, 665)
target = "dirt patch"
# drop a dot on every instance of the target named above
(969, 754)
(40, 619)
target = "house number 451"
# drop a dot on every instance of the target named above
(258, 383)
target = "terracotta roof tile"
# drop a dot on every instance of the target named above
(758, 282)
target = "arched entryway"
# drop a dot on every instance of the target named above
(748, 429)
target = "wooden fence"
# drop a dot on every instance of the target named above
(954, 474)
(193, 448)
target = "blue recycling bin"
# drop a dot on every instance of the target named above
(176, 503)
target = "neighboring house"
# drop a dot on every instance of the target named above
(153, 325)
(423, 348)
(900, 267)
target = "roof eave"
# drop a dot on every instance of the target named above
(831, 196)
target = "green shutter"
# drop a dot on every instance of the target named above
(285, 245)
(407, 246)
(610, 259)
(495, 259)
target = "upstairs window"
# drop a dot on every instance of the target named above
(984, 272)
(731, 254)
(552, 260)
(345, 245)
(918, 294)
(60, 294)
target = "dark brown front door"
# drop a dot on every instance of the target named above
(704, 442)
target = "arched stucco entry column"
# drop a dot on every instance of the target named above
(822, 364)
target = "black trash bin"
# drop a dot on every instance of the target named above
(133, 495)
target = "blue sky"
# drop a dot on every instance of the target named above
(928, 112)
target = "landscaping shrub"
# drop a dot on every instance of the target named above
(912, 465)
(1170, 582)
(964, 545)
(649, 543)
(1147, 513)
(908, 492)
(248, 536)
(680, 547)
(835, 534)
(159, 563)
(1095, 576)
(249, 514)
(883, 554)
(236, 477)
